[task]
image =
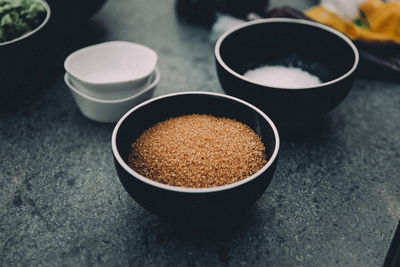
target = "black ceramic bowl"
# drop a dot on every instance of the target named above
(313, 47)
(20, 57)
(193, 205)
(70, 15)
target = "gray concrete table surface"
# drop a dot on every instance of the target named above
(334, 199)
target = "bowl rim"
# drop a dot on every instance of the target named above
(148, 181)
(82, 50)
(286, 20)
(44, 22)
(152, 85)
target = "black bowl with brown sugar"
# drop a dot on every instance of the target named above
(195, 156)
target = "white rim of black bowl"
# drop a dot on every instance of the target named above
(189, 189)
(46, 19)
(288, 20)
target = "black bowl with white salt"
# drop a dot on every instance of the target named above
(291, 69)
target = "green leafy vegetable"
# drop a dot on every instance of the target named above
(18, 17)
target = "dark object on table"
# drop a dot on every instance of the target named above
(20, 55)
(18, 18)
(307, 45)
(68, 15)
(393, 255)
(19, 71)
(285, 12)
(203, 12)
(376, 61)
(196, 12)
(193, 205)
(379, 61)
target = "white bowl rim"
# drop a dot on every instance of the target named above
(288, 20)
(157, 78)
(44, 22)
(187, 189)
(76, 53)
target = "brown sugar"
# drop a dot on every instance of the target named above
(198, 151)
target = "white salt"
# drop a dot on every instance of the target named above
(281, 76)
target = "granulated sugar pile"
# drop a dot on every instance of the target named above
(198, 151)
(281, 76)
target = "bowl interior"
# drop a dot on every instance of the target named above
(163, 108)
(292, 43)
(111, 62)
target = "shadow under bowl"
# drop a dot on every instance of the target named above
(193, 205)
(313, 47)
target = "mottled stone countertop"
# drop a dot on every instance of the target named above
(334, 199)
